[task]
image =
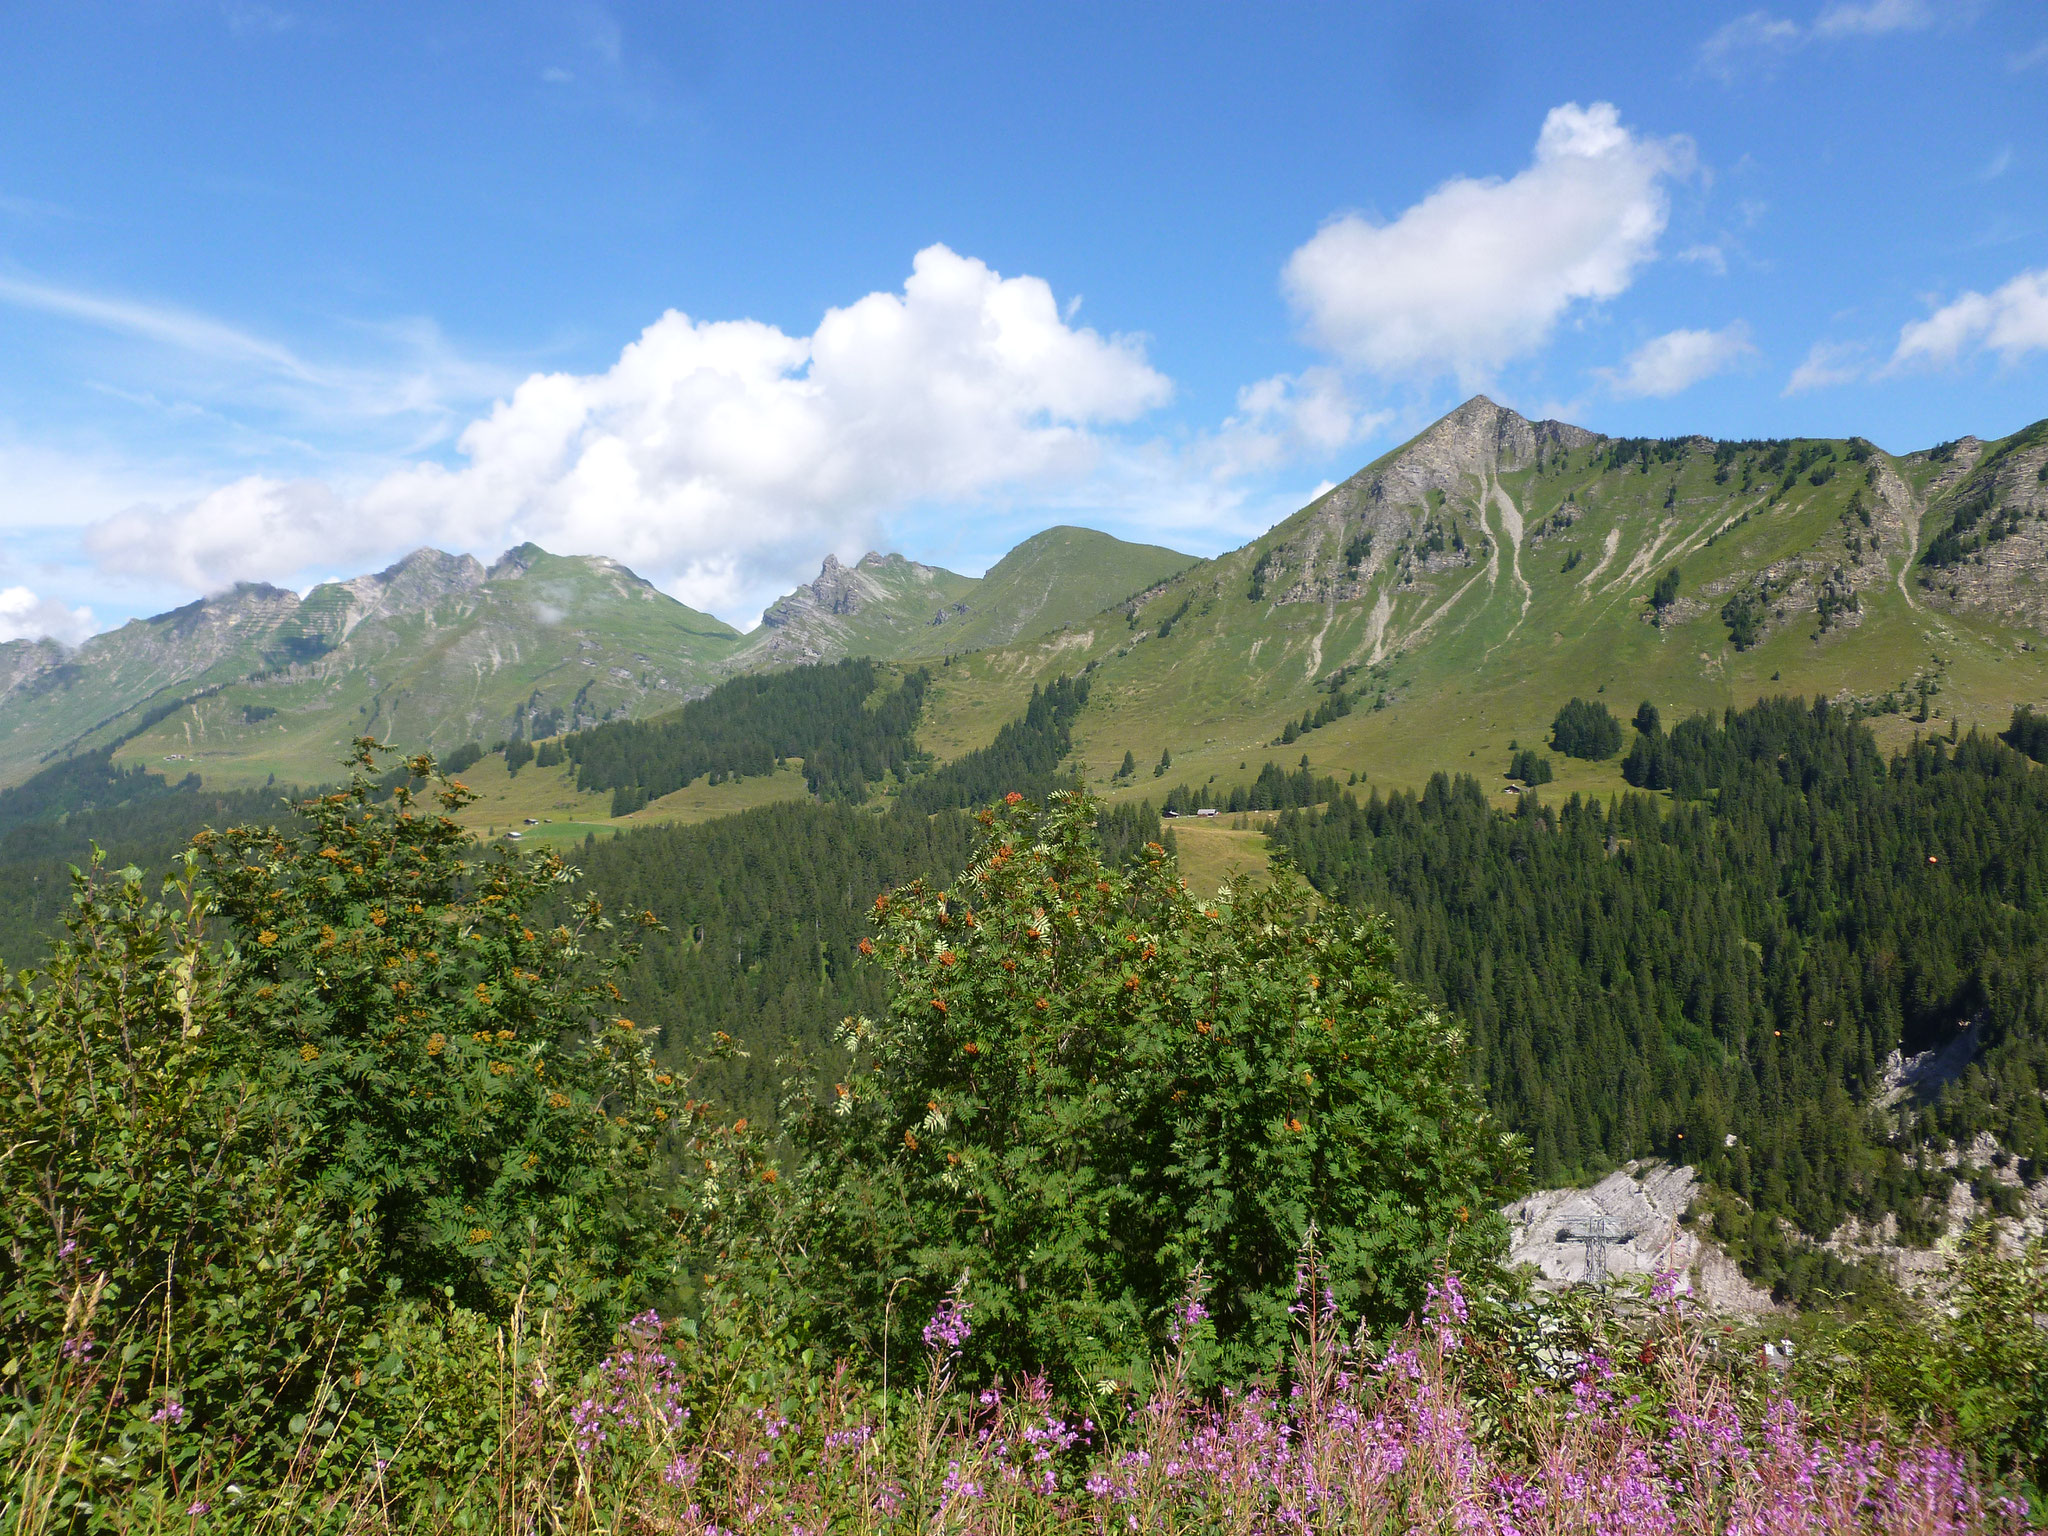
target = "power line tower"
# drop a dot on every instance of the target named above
(1596, 1232)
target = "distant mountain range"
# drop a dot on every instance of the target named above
(439, 650)
(1440, 603)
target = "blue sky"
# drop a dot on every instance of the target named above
(289, 289)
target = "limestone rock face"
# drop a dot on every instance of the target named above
(1998, 507)
(842, 592)
(1434, 508)
(1645, 1201)
(876, 606)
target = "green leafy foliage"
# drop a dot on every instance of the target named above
(463, 1060)
(148, 830)
(164, 1257)
(1089, 1088)
(1977, 1364)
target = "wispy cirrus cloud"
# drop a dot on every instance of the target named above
(1760, 41)
(2011, 320)
(2029, 58)
(183, 329)
(404, 372)
(1828, 363)
(1876, 18)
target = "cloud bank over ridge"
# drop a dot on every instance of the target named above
(712, 453)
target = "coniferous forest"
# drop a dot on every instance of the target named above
(747, 726)
(1722, 979)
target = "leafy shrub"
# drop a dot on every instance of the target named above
(1089, 1087)
(1978, 1363)
(164, 1261)
(1586, 730)
(459, 1053)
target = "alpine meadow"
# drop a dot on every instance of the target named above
(657, 879)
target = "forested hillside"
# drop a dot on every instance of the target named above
(1720, 981)
(764, 912)
(821, 714)
(1025, 756)
(53, 821)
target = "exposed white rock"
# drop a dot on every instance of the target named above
(1645, 1201)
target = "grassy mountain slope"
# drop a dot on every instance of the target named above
(437, 651)
(55, 700)
(1054, 579)
(1464, 586)
(891, 608)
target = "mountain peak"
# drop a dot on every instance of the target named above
(419, 580)
(517, 560)
(1483, 432)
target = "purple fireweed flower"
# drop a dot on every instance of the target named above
(949, 1328)
(172, 1412)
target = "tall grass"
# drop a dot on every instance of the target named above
(1508, 1425)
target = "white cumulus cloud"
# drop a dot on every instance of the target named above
(715, 456)
(2011, 320)
(1482, 270)
(24, 616)
(1286, 418)
(1677, 360)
